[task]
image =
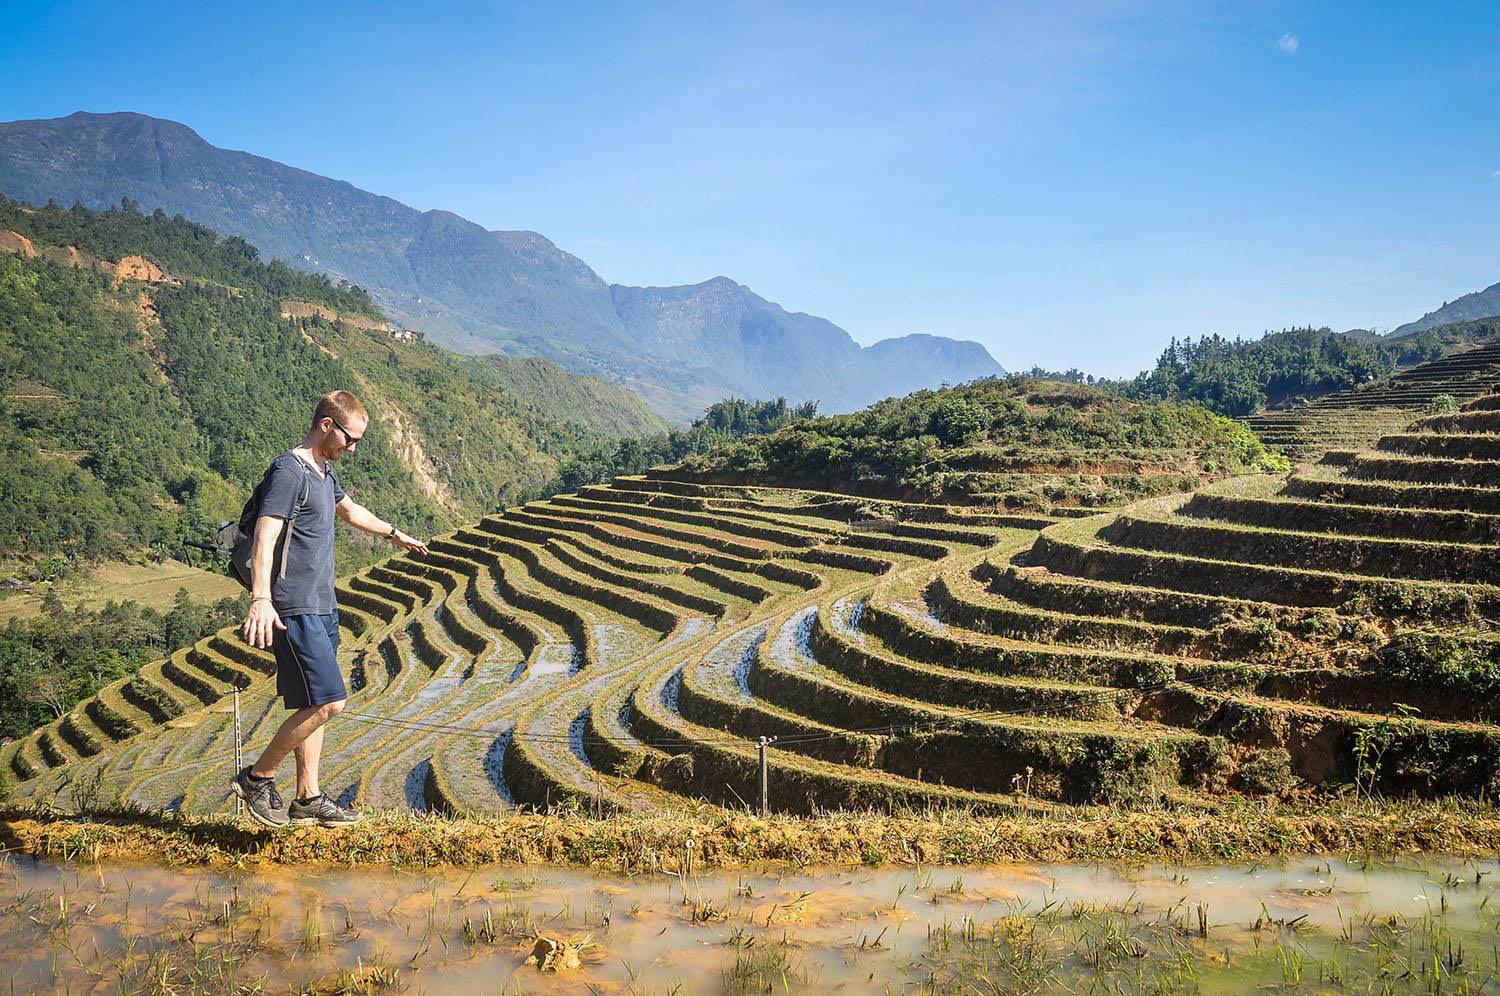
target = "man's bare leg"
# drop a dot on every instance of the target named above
(308, 753)
(310, 804)
(295, 729)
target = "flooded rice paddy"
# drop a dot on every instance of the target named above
(1297, 926)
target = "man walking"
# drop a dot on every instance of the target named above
(292, 608)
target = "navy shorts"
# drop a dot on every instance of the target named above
(307, 669)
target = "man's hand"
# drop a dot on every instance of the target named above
(362, 518)
(261, 624)
(406, 542)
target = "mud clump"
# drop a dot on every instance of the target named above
(549, 954)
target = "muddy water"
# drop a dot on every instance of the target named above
(1302, 925)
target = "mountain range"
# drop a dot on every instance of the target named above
(1480, 304)
(475, 290)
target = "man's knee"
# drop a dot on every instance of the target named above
(328, 710)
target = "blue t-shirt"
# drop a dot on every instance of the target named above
(308, 585)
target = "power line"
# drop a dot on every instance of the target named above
(892, 729)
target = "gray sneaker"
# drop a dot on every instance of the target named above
(261, 798)
(321, 810)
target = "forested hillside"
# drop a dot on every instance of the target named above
(1241, 376)
(722, 423)
(1015, 441)
(49, 663)
(139, 412)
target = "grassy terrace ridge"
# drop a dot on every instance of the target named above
(1324, 483)
(1158, 526)
(1083, 548)
(1254, 502)
(624, 842)
(1390, 466)
(805, 502)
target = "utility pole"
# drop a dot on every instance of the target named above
(765, 781)
(239, 806)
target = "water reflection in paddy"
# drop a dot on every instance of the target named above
(1302, 925)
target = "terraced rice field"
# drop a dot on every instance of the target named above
(150, 585)
(1355, 418)
(629, 646)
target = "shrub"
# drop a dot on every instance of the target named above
(1259, 636)
(1147, 673)
(1394, 600)
(1442, 404)
(1266, 771)
(1275, 463)
(1224, 677)
(956, 420)
(1442, 663)
(1119, 775)
(1316, 622)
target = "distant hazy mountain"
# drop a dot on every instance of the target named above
(1480, 304)
(477, 290)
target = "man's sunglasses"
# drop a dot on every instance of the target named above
(348, 439)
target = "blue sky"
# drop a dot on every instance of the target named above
(1069, 184)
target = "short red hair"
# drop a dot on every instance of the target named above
(341, 406)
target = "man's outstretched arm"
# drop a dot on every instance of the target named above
(360, 517)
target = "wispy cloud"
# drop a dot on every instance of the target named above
(1496, 174)
(1289, 43)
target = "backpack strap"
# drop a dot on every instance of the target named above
(286, 538)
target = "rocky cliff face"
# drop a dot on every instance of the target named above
(130, 267)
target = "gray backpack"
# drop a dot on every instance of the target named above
(242, 545)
